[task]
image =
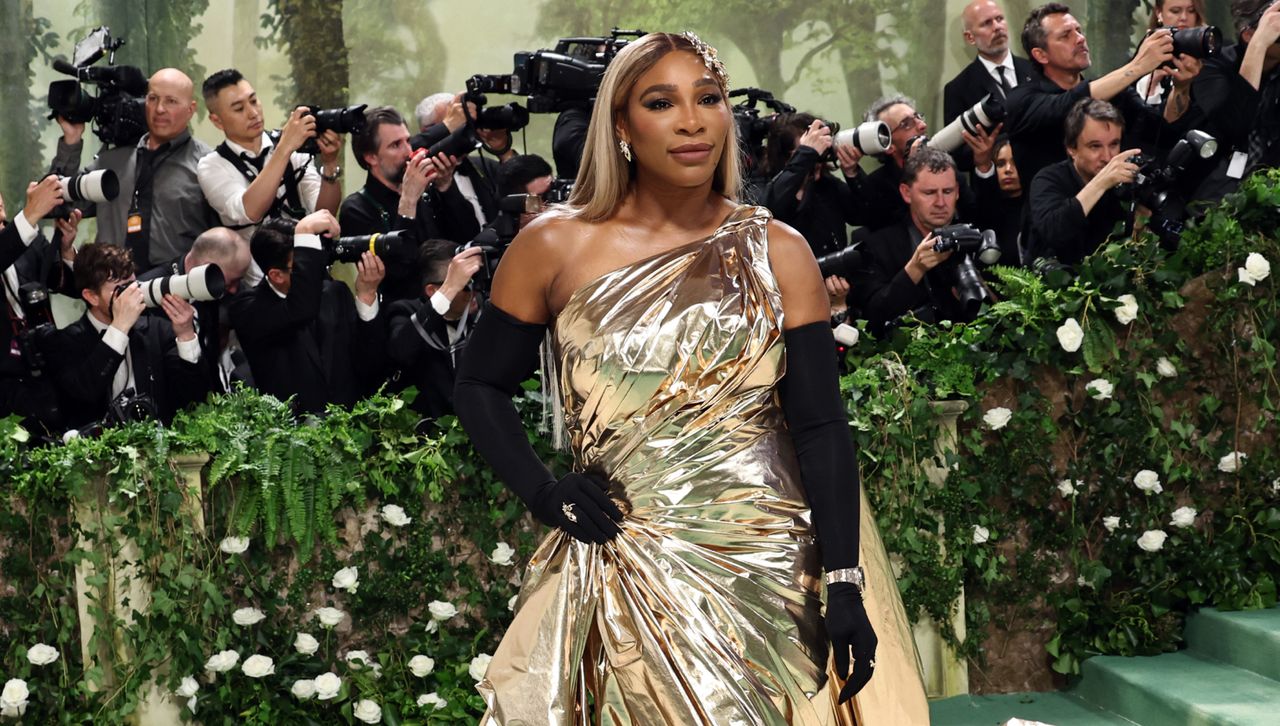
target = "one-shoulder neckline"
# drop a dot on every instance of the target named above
(740, 213)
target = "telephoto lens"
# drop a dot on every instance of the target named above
(871, 137)
(101, 185)
(1202, 42)
(347, 120)
(398, 246)
(986, 114)
(200, 284)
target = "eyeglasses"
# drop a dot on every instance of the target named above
(912, 120)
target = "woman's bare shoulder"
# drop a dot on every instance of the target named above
(533, 261)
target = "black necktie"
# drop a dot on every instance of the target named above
(1004, 82)
(254, 161)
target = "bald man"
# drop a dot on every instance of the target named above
(160, 209)
(994, 71)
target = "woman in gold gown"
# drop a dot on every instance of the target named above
(683, 581)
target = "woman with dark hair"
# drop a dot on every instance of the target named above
(1006, 211)
(682, 583)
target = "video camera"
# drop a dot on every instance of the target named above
(349, 120)
(399, 247)
(753, 129)
(1155, 184)
(118, 111)
(968, 243)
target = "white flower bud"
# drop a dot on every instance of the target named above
(980, 534)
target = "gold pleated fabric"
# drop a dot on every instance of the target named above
(707, 608)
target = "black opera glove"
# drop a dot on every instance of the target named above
(850, 632)
(580, 505)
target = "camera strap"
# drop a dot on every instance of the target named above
(383, 213)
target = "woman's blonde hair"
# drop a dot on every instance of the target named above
(604, 176)
(1158, 6)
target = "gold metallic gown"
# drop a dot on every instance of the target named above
(707, 608)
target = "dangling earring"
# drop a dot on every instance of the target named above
(625, 148)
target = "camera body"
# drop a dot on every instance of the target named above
(969, 244)
(118, 111)
(347, 120)
(1155, 185)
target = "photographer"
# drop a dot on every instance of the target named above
(1006, 212)
(27, 257)
(160, 208)
(1053, 40)
(1239, 94)
(225, 248)
(1074, 203)
(114, 354)
(525, 174)
(898, 274)
(306, 336)
(395, 195)
(1177, 14)
(802, 193)
(878, 201)
(428, 333)
(441, 114)
(251, 175)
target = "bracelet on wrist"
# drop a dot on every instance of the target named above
(852, 575)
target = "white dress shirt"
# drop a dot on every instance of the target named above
(188, 350)
(224, 186)
(1009, 72)
(27, 233)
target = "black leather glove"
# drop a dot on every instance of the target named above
(580, 505)
(850, 632)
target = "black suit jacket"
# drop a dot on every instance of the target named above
(429, 367)
(973, 82)
(84, 367)
(881, 289)
(310, 344)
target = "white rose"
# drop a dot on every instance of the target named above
(1070, 335)
(1111, 523)
(368, 711)
(1128, 310)
(222, 662)
(1100, 389)
(502, 554)
(1255, 270)
(441, 610)
(348, 578)
(327, 686)
(1152, 540)
(234, 545)
(980, 534)
(393, 514)
(1081, 582)
(13, 699)
(329, 617)
(248, 616)
(1165, 368)
(1148, 481)
(1275, 486)
(479, 665)
(511, 604)
(1232, 462)
(996, 418)
(432, 700)
(305, 644)
(357, 659)
(432, 626)
(258, 666)
(421, 666)
(187, 688)
(303, 689)
(191, 704)
(1068, 488)
(41, 654)
(1183, 517)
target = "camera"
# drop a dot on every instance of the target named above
(869, 137)
(398, 246)
(753, 129)
(347, 120)
(97, 186)
(130, 407)
(985, 114)
(960, 270)
(558, 192)
(200, 284)
(118, 111)
(497, 235)
(842, 263)
(1202, 42)
(1155, 184)
(37, 326)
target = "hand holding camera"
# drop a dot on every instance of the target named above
(369, 273)
(983, 144)
(418, 174)
(444, 166)
(68, 228)
(462, 268)
(300, 127)
(925, 258)
(848, 156)
(42, 197)
(817, 137)
(1156, 49)
(182, 315)
(330, 145)
(1268, 31)
(1120, 170)
(72, 132)
(321, 222)
(127, 305)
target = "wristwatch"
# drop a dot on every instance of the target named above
(331, 178)
(848, 574)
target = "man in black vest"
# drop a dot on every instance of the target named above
(253, 175)
(306, 336)
(404, 191)
(994, 72)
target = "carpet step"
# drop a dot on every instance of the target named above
(1059, 709)
(1248, 639)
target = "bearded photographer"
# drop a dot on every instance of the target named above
(404, 190)
(114, 354)
(160, 208)
(1054, 42)
(1074, 204)
(899, 273)
(252, 176)
(27, 257)
(429, 333)
(1239, 95)
(305, 335)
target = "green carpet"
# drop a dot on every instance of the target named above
(1059, 709)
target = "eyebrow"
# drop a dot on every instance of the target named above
(670, 88)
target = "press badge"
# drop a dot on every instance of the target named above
(1235, 169)
(135, 223)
